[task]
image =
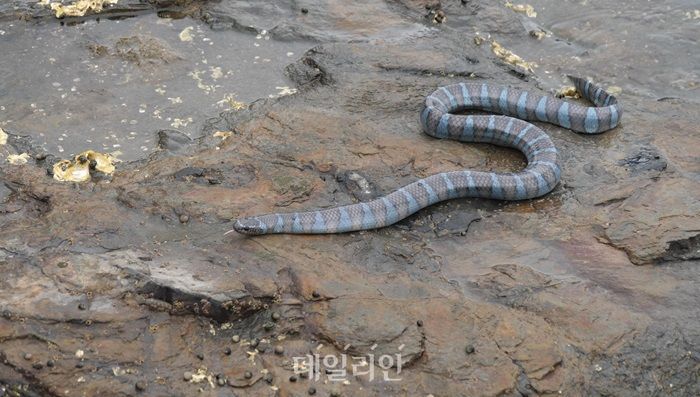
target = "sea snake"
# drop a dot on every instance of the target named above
(439, 119)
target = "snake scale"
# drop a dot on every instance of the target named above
(439, 119)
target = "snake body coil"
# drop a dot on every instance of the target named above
(438, 119)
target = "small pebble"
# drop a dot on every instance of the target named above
(79, 364)
(304, 10)
(275, 316)
(315, 294)
(7, 314)
(200, 356)
(293, 378)
(469, 349)
(303, 375)
(140, 385)
(248, 375)
(335, 393)
(235, 338)
(261, 349)
(28, 356)
(187, 376)
(82, 306)
(50, 363)
(254, 342)
(184, 218)
(227, 351)
(221, 381)
(37, 365)
(312, 391)
(269, 378)
(419, 323)
(279, 349)
(268, 326)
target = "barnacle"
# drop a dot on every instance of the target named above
(539, 34)
(103, 162)
(223, 134)
(186, 34)
(67, 171)
(568, 91)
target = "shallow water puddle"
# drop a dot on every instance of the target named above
(625, 35)
(111, 85)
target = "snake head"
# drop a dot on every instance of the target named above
(250, 226)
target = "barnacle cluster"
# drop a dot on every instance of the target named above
(509, 57)
(503, 53)
(78, 169)
(18, 159)
(523, 8)
(78, 8)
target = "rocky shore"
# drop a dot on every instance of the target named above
(128, 284)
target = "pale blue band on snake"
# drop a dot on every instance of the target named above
(439, 119)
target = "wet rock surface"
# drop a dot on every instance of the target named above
(131, 285)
